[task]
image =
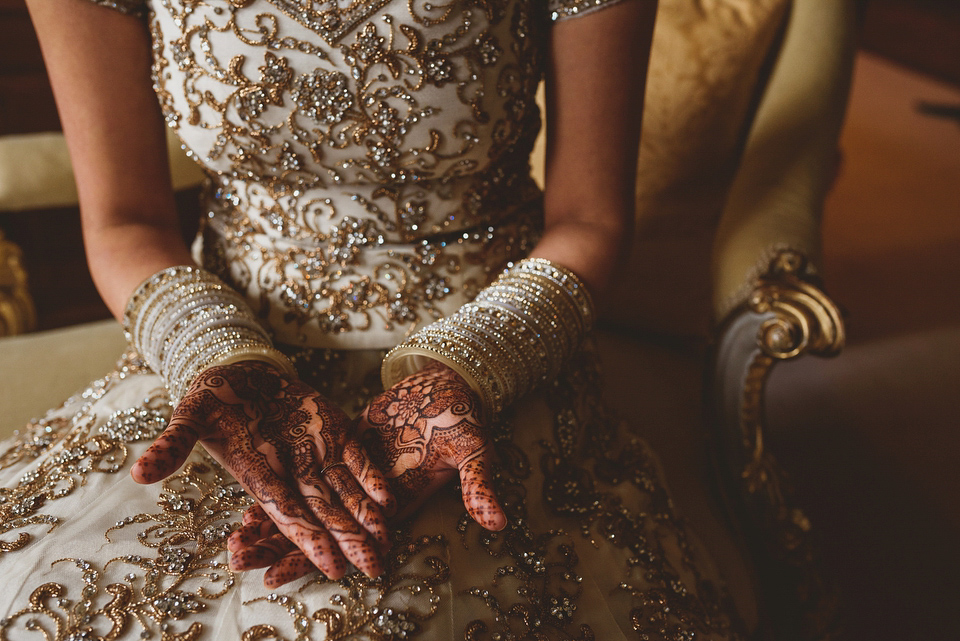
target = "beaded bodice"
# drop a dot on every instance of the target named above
(369, 159)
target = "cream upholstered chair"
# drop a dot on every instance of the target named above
(734, 218)
(768, 303)
(744, 103)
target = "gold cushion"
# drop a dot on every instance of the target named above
(704, 71)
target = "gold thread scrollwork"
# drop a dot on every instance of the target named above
(17, 313)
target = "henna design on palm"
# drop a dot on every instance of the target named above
(425, 430)
(275, 436)
(422, 433)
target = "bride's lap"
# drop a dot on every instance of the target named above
(88, 547)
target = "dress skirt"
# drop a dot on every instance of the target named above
(593, 548)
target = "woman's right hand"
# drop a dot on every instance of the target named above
(291, 449)
(423, 432)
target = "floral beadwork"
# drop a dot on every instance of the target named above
(71, 450)
(366, 181)
(533, 586)
(179, 573)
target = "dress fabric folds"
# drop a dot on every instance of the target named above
(368, 173)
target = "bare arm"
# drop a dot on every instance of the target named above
(99, 65)
(595, 81)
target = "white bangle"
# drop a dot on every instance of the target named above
(183, 320)
(517, 333)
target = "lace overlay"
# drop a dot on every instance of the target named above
(592, 550)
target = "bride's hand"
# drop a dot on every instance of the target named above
(422, 432)
(425, 430)
(291, 449)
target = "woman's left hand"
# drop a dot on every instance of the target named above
(421, 433)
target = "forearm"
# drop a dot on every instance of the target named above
(99, 66)
(123, 255)
(596, 74)
(591, 249)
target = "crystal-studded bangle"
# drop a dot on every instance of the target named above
(515, 334)
(183, 320)
(567, 279)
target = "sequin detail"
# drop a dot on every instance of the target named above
(129, 7)
(565, 9)
(532, 587)
(69, 450)
(365, 181)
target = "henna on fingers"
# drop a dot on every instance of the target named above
(284, 568)
(290, 568)
(320, 547)
(356, 544)
(295, 434)
(423, 432)
(478, 495)
(262, 553)
(369, 476)
(251, 532)
(358, 503)
(254, 514)
(171, 449)
(274, 435)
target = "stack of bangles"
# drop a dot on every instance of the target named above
(183, 320)
(516, 334)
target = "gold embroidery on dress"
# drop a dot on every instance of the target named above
(181, 572)
(374, 184)
(591, 453)
(534, 592)
(73, 450)
(394, 606)
(584, 459)
(327, 18)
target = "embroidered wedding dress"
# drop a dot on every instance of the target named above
(369, 173)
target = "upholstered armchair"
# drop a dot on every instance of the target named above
(745, 102)
(769, 306)
(745, 99)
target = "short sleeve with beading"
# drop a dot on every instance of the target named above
(129, 7)
(563, 9)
